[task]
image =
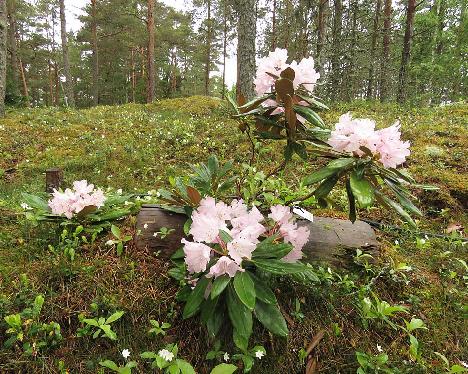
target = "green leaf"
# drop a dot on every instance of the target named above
(313, 101)
(392, 204)
(245, 289)
(352, 202)
(362, 190)
(114, 317)
(109, 364)
(415, 324)
(224, 369)
(116, 231)
(108, 331)
(195, 298)
(149, 355)
(91, 322)
(263, 292)
(185, 367)
(279, 267)
(219, 285)
(241, 318)
(268, 249)
(333, 167)
(326, 186)
(309, 115)
(35, 201)
(270, 316)
(225, 237)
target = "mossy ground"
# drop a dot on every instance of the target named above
(136, 148)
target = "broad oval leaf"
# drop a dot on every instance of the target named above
(270, 316)
(195, 298)
(245, 289)
(224, 369)
(219, 285)
(362, 190)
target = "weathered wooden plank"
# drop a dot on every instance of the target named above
(330, 240)
(54, 179)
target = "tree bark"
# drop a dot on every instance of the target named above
(375, 32)
(223, 93)
(66, 59)
(3, 54)
(321, 33)
(208, 49)
(150, 86)
(335, 59)
(11, 9)
(94, 43)
(385, 62)
(273, 27)
(246, 34)
(406, 53)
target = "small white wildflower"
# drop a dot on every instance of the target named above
(110, 242)
(464, 364)
(126, 353)
(25, 206)
(145, 226)
(426, 237)
(155, 234)
(119, 191)
(379, 348)
(226, 356)
(102, 136)
(397, 242)
(259, 354)
(423, 241)
(165, 354)
(127, 202)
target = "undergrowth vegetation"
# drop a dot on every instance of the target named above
(78, 301)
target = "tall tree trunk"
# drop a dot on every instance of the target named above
(223, 93)
(150, 87)
(336, 54)
(3, 54)
(66, 60)
(11, 9)
(375, 32)
(321, 34)
(406, 53)
(273, 27)
(246, 34)
(133, 75)
(208, 49)
(94, 42)
(385, 61)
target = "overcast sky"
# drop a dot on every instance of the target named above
(73, 8)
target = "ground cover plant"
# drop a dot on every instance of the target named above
(403, 312)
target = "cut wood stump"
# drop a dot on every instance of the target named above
(332, 240)
(54, 179)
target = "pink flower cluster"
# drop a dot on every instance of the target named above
(275, 63)
(74, 201)
(352, 133)
(246, 228)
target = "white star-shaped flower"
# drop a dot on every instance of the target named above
(145, 226)
(25, 206)
(259, 354)
(379, 348)
(110, 242)
(226, 356)
(155, 234)
(126, 353)
(165, 354)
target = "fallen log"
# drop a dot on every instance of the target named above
(332, 240)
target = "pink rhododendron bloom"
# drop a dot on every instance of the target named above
(280, 214)
(74, 201)
(205, 227)
(393, 151)
(220, 210)
(238, 208)
(274, 63)
(225, 265)
(351, 134)
(306, 75)
(197, 256)
(241, 247)
(297, 237)
(251, 218)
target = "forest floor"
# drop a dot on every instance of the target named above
(137, 148)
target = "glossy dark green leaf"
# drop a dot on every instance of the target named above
(219, 285)
(278, 266)
(270, 316)
(362, 190)
(392, 204)
(241, 318)
(196, 298)
(309, 115)
(245, 289)
(333, 167)
(326, 186)
(263, 291)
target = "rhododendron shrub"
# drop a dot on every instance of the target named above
(363, 157)
(230, 246)
(81, 204)
(71, 202)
